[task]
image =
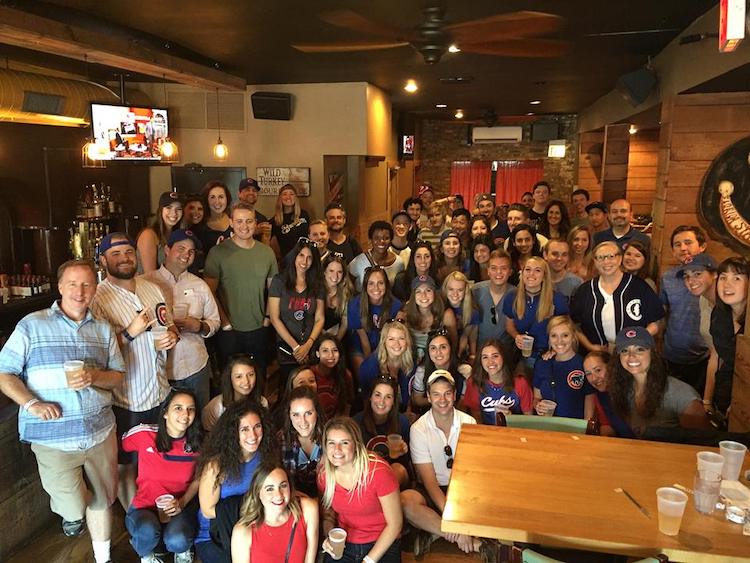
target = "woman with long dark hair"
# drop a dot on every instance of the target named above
(231, 454)
(275, 523)
(478, 260)
(301, 437)
(153, 239)
(479, 225)
(239, 380)
(642, 394)
(296, 304)
(426, 311)
(728, 321)
(360, 494)
(217, 226)
(450, 255)
(167, 455)
(555, 223)
(422, 262)
(333, 381)
(440, 353)
(338, 292)
(636, 260)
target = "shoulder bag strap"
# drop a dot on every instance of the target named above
(291, 540)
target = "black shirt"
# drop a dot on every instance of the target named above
(349, 248)
(290, 230)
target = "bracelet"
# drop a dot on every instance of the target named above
(297, 347)
(127, 336)
(707, 402)
(227, 327)
(367, 559)
(30, 403)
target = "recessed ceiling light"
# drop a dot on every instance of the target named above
(411, 86)
(441, 106)
(459, 114)
(530, 113)
(454, 49)
(535, 102)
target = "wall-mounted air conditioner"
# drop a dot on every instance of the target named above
(484, 135)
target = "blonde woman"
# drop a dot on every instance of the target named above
(393, 357)
(457, 294)
(360, 494)
(289, 222)
(580, 242)
(339, 291)
(529, 308)
(275, 524)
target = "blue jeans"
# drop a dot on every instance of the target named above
(209, 552)
(146, 532)
(198, 383)
(355, 552)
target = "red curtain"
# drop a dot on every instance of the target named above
(471, 178)
(515, 177)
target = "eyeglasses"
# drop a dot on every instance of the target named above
(605, 257)
(493, 315)
(305, 240)
(449, 454)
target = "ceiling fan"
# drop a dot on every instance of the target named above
(514, 34)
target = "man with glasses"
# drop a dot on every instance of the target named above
(489, 295)
(239, 271)
(612, 300)
(432, 440)
(194, 312)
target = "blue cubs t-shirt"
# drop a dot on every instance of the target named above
(564, 383)
(528, 324)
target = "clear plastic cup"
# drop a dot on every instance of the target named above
(527, 346)
(545, 407)
(337, 539)
(710, 461)
(394, 445)
(734, 455)
(180, 311)
(162, 502)
(72, 368)
(671, 505)
(706, 488)
(157, 333)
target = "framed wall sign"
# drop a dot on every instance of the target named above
(272, 178)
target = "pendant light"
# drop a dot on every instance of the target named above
(169, 150)
(92, 154)
(221, 152)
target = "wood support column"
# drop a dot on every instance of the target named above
(615, 161)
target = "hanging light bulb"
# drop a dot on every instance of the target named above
(168, 149)
(92, 155)
(221, 152)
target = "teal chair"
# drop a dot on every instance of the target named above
(550, 423)
(531, 556)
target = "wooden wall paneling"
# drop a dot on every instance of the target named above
(590, 149)
(615, 161)
(715, 99)
(702, 146)
(739, 415)
(699, 119)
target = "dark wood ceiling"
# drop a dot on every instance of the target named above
(252, 39)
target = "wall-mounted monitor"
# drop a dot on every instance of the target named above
(407, 146)
(129, 133)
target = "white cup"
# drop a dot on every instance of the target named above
(337, 539)
(72, 368)
(180, 311)
(528, 346)
(734, 455)
(545, 407)
(671, 504)
(710, 461)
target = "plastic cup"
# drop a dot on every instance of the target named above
(180, 311)
(72, 368)
(527, 346)
(394, 445)
(545, 407)
(162, 502)
(671, 504)
(734, 455)
(157, 333)
(710, 461)
(706, 488)
(337, 539)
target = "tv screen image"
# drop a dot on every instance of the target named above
(129, 132)
(407, 144)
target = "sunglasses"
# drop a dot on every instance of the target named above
(449, 454)
(375, 268)
(307, 241)
(493, 315)
(442, 331)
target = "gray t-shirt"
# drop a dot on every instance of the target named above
(296, 310)
(568, 285)
(677, 396)
(483, 298)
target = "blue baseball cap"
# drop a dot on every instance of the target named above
(114, 239)
(422, 280)
(698, 263)
(184, 234)
(634, 336)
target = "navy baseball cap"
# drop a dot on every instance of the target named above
(698, 263)
(249, 183)
(184, 234)
(634, 336)
(597, 205)
(114, 239)
(422, 280)
(168, 198)
(447, 234)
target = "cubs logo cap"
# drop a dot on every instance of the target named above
(698, 263)
(422, 280)
(184, 234)
(168, 198)
(633, 336)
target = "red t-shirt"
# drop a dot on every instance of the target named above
(271, 542)
(520, 400)
(327, 396)
(159, 473)
(361, 514)
(601, 416)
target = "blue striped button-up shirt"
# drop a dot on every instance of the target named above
(36, 351)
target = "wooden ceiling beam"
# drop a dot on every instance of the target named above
(37, 33)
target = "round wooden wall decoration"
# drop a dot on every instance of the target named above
(725, 196)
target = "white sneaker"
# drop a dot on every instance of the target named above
(151, 559)
(184, 557)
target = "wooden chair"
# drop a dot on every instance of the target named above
(550, 423)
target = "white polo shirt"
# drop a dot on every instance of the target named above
(427, 442)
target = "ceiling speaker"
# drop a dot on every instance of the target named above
(636, 86)
(272, 105)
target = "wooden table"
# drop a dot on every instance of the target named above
(557, 489)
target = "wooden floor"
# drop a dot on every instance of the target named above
(53, 547)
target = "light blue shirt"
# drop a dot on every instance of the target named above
(35, 353)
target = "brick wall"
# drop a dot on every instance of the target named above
(442, 142)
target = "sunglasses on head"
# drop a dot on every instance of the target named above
(307, 241)
(375, 268)
(441, 331)
(449, 454)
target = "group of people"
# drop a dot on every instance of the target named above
(342, 377)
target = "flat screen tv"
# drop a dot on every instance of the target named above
(129, 133)
(407, 146)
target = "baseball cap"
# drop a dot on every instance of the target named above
(168, 198)
(109, 241)
(597, 205)
(697, 263)
(441, 373)
(422, 280)
(485, 197)
(633, 336)
(249, 183)
(447, 234)
(424, 188)
(183, 234)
